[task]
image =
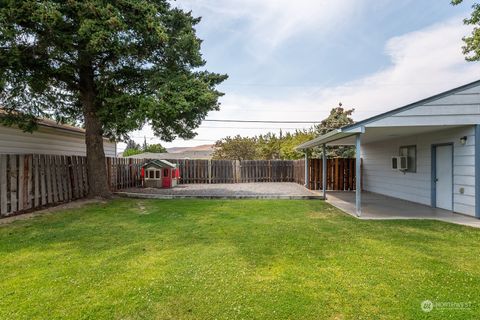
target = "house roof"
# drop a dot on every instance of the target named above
(49, 123)
(53, 124)
(202, 155)
(359, 127)
(160, 164)
(412, 105)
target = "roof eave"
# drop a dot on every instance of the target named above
(318, 140)
(341, 133)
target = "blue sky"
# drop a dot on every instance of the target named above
(295, 60)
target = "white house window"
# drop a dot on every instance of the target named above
(157, 174)
(411, 153)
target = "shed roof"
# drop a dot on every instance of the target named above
(160, 164)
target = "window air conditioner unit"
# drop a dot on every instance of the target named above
(400, 163)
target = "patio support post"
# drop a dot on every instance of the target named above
(306, 170)
(477, 171)
(324, 171)
(358, 176)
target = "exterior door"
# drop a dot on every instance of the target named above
(444, 177)
(166, 179)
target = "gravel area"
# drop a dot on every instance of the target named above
(263, 189)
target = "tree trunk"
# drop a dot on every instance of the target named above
(96, 165)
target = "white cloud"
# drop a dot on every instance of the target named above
(269, 23)
(423, 63)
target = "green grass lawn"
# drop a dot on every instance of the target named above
(202, 259)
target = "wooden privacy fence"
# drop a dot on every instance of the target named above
(266, 171)
(340, 174)
(206, 171)
(299, 171)
(234, 171)
(124, 173)
(33, 181)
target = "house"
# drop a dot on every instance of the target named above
(187, 155)
(427, 152)
(202, 152)
(51, 138)
(160, 174)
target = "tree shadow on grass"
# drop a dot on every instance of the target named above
(100, 227)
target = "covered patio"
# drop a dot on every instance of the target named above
(362, 138)
(379, 207)
(420, 161)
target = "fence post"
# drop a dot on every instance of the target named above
(306, 171)
(238, 171)
(210, 171)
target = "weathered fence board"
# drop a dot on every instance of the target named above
(3, 184)
(36, 192)
(299, 171)
(32, 181)
(231, 171)
(13, 159)
(206, 171)
(124, 173)
(43, 182)
(267, 171)
(27, 182)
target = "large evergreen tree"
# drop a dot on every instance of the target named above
(338, 117)
(110, 65)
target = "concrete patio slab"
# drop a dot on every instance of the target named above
(380, 207)
(262, 190)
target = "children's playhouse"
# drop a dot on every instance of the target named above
(160, 174)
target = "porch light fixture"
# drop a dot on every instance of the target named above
(463, 140)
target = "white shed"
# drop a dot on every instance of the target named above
(50, 138)
(427, 152)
